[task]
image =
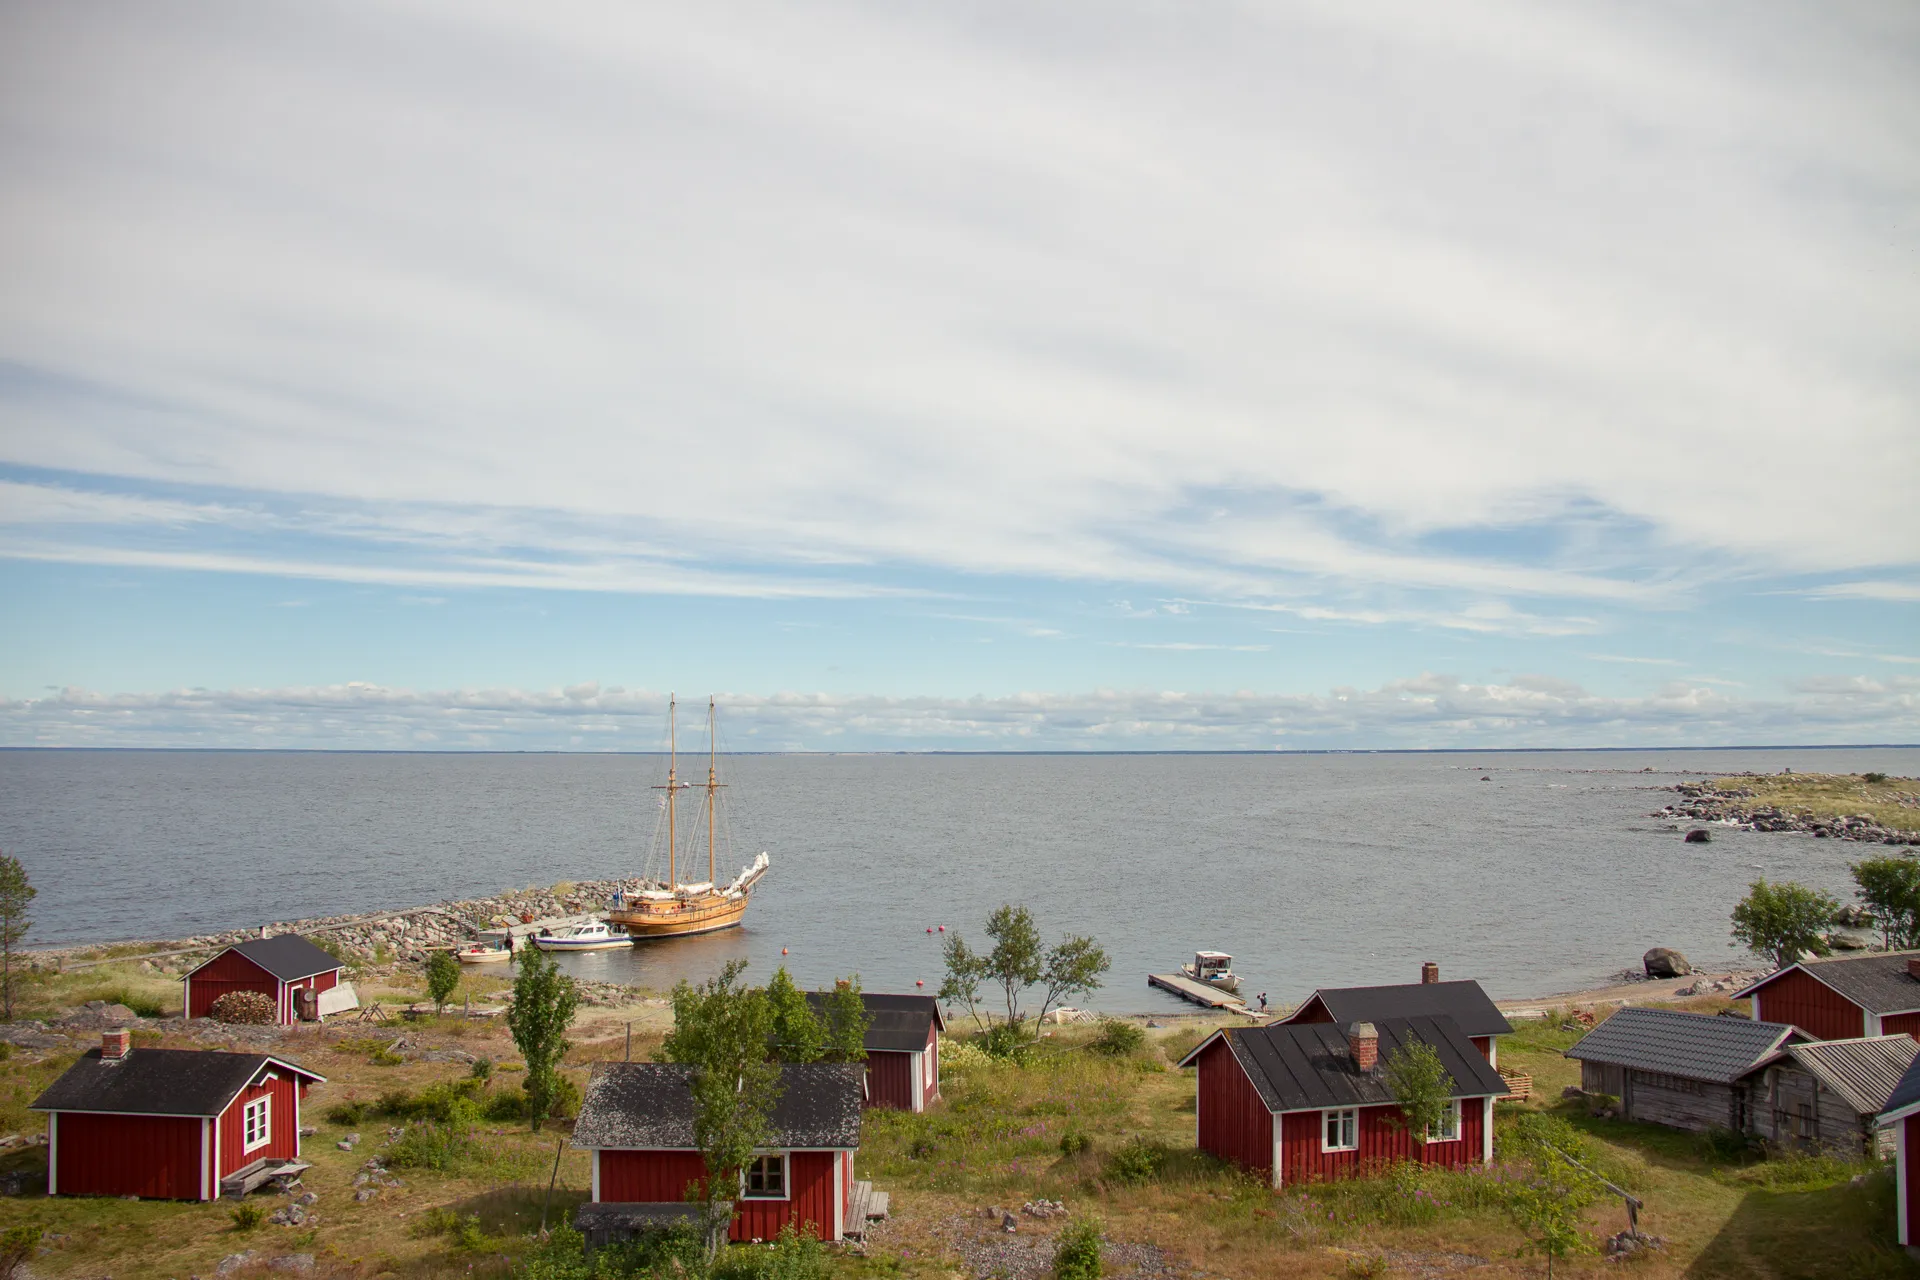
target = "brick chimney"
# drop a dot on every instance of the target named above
(1363, 1042)
(115, 1044)
(1429, 974)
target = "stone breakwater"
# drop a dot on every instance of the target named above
(1704, 802)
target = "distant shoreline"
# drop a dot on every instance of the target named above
(951, 751)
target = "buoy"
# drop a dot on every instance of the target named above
(919, 982)
(783, 951)
(929, 931)
(943, 928)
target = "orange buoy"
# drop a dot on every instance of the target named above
(783, 951)
(929, 931)
(919, 982)
(943, 928)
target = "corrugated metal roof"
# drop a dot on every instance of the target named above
(1306, 1065)
(1697, 1046)
(1865, 1072)
(1878, 983)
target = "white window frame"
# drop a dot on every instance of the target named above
(1348, 1121)
(786, 1177)
(263, 1106)
(1453, 1121)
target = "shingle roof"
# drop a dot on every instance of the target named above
(1907, 1093)
(895, 1023)
(1306, 1065)
(650, 1105)
(287, 956)
(160, 1082)
(1878, 983)
(1865, 1071)
(1697, 1046)
(1470, 1007)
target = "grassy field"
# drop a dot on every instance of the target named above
(996, 1139)
(1893, 803)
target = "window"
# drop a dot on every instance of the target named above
(1448, 1130)
(1342, 1130)
(765, 1178)
(256, 1123)
(1661, 1080)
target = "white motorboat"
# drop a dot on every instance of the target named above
(1215, 968)
(582, 937)
(483, 952)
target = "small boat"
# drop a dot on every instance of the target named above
(582, 937)
(484, 952)
(1215, 968)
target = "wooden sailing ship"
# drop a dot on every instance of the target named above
(667, 908)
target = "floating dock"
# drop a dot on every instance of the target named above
(1198, 992)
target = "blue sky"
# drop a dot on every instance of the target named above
(994, 377)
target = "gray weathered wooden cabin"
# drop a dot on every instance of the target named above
(1828, 1095)
(1684, 1070)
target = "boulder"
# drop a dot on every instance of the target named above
(1665, 962)
(1853, 916)
(1698, 835)
(1842, 940)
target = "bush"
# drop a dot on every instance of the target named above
(1076, 1251)
(1136, 1162)
(349, 1114)
(793, 1255)
(483, 1069)
(508, 1104)
(430, 1145)
(1005, 1041)
(246, 1216)
(1730, 1146)
(566, 1099)
(250, 1008)
(1873, 777)
(1118, 1038)
(1075, 1142)
(16, 1246)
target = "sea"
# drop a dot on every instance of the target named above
(1534, 872)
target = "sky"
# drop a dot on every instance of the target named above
(1108, 375)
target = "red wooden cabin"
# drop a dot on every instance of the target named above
(1471, 1009)
(1903, 1115)
(637, 1119)
(903, 1049)
(1298, 1102)
(168, 1124)
(277, 968)
(1845, 997)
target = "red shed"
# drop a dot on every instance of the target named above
(1844, 998)
(1471, 1009)
(169, 1124)
(903, 1049)
(1903, 1112)
(1299, 1102)
(276, 967)
(637, 1119)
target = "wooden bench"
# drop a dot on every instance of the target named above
(243, 1181)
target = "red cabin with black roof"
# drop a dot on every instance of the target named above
(279, 968)
(1845, 997)
(1471, 1009)
(637, 1120)
(1300, 1102)
(169, 1124)
(903, 1049)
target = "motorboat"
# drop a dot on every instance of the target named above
(485, 951)
(1215, 968)
(597, 936)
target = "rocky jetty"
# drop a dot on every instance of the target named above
(1704, 802)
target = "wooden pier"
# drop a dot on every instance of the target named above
(1198, 992)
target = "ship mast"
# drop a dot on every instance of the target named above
(713, 785)
(673, 785)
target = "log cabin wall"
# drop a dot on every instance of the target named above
(1799, 1111)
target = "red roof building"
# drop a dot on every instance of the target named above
(169, 1124)
(1903, 1115)
(279, 968)
(637, 1120)
(1845, 997)
(903, 1049)
(1299, 1102)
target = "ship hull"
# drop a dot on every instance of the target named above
(678, 919)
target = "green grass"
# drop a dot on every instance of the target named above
(1834, 795)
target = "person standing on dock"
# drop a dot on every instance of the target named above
(1263, 1002)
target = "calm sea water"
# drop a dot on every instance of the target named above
(1310, 869)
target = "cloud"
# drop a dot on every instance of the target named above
(1616, 657)
(1898, 591)
(1088, 293)
(1429, 710)
(1487, 617)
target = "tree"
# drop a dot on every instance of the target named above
(723, 1030)
(544, 1001)
(1782, 920)
(1890, 887)
(966, 970)
(15, 894)
(443, 975)
(846, 1018)
(1421, 1085)
(1549, 1208)
(1015, 960)
(1072, 968)
(797, 1034)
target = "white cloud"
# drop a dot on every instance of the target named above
(1215, 301)
(1618, 657)
(1429, 710)
(1899, 591)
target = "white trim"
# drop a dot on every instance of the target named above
(596, 1175)
(53, 1153)
(1486, 1130)
(919, 1077)
(1279, 1176)
(163, 1115)
(1194, 1053)
(786, 1177)
(186, 998)
(295, 1086)
(839, 1197)
(265, 1103)
(1339, 1111)
(1873, 1025)
(1458, 1109)
(1493, 1052)
(1905, 1228)
(209, 1189)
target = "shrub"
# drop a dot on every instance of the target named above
(793, 1255)
(1076, 1251)
(247, 1007)
(1136, 1162)
(483, 1069)
(1005, 1041)
(566, 1099)
(16, 1246)
(246, 1216)
(350, 1113)
(1075, 1142)
(1118, 1038)
(508, 1104)
(1730, 1146)
(1873, 777)
(430, 1145)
